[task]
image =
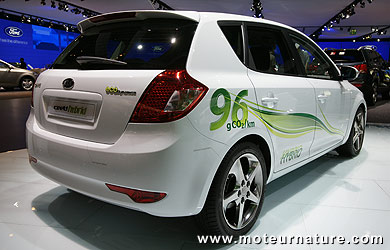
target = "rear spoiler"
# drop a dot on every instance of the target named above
(134, 15)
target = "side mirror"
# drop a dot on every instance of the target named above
(349, 73)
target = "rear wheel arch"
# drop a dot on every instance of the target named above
(263, 147)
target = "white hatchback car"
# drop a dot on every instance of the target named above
(187, 113)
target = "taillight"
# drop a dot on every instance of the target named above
(170, 96)
(357, 85)
(362, 68)
(138, 196)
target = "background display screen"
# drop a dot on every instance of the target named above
(38, 45)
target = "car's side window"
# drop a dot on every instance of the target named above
(268, 52)
(3, 66)
(314, 63)
(233, 34)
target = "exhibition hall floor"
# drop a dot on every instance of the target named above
(330, 196)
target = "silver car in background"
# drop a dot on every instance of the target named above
(12, 77)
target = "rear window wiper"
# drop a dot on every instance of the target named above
(98, 60)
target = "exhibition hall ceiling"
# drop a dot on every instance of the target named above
(295, 13)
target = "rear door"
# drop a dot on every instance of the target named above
(286, 103)
(332, 98)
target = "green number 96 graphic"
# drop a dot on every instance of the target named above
(224, 110)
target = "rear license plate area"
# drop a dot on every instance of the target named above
(71, 109)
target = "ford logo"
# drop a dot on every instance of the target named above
(13, 31)
(68, 83)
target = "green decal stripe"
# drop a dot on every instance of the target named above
(296, 131)
(275, 132)
(280, 132)
(279, 122)
(326, 121)
(298, 122)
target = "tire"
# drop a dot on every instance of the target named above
(235, 193)
(26, 83)
(354, 143)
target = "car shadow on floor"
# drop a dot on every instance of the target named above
(105, 226)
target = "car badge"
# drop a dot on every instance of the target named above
(13, 31)
(68, 84)
(116, 91)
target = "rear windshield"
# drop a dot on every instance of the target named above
(146, 44)
(345, 55)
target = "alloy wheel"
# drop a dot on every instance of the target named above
(27, 83)
(358, 132)
(242, 191)
(374, 93)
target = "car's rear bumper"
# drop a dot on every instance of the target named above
(171, 158)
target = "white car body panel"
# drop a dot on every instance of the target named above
(294, 95)
(179, 158)
(333, 111)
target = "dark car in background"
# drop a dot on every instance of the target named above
(373, 70)
(12, 77)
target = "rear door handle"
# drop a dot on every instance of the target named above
(322, 97)
(270, 101)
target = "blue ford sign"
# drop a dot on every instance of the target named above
(13, 31)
